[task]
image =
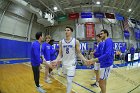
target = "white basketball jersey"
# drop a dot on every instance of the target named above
(68, 52)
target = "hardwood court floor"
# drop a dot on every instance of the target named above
(121, 80)
(18, 78)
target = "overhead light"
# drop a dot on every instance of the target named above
(55, 8)
(129, 10)
(98, 2)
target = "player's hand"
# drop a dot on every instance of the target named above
(40, 67)
(50, 66)
(91, 53)
(53, 64)
(87, 62)
(58, 63)
(92, 61)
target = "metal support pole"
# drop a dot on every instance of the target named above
(30, 28)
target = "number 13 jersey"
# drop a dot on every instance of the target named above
(68, 52)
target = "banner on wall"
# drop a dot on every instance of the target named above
(73, 16)
(133, 20)
(116, 45)
(138, 22)
(99, 15)
(137, 33)
(80, 31)
(110, 15)
(85, 46)
(126, 34)
(61, 18)
(131, 23)
(86, 15)
(119, 17)
(90, 29)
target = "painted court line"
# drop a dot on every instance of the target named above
(63, 83)
(80, 85)
(134, 88)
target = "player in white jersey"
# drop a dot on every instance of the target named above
(67, 51)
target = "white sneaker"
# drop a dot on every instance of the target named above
(40, 85)
(40, 90)
(59, 73)
(48, 81)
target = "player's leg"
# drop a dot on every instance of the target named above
(69, 83)
(97, 77)
(36, 72)
(47, 79)
(50, 72)
(132, 59)
(104, 73)
(70, 76)
(102, 81)
(96, 70)
(58, 70)
(102, 84)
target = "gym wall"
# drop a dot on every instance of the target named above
(14, 49)
(15, 22)
(115, 32)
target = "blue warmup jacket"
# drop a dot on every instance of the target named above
(46, 51)
(53, 53)
(36, 54)
(132, 50)
(123, 48)
(99, 50)
(107, 58)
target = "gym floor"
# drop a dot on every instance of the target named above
(18, 78)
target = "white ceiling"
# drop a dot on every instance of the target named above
(68, 6)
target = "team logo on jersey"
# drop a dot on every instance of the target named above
(67, 46)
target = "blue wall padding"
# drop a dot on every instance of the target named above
(14, 49)
(14, 61)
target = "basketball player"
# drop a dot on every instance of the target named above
(36, 60)
(46, 51)
(97, 53)
(67, 51)
(105, 60)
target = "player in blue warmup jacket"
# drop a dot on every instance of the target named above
(36, 60)
(52, 55)
(53, 51)
(97, 53)
(47, 53)
(123, 53)
(105, 60)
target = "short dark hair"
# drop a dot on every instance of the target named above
(98, 35)
(38, 34)
(105, 31)
(70, 28)
(51, 42)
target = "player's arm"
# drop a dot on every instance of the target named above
(36, 53)
(95, 54)
(79, 52)
(46, 61)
